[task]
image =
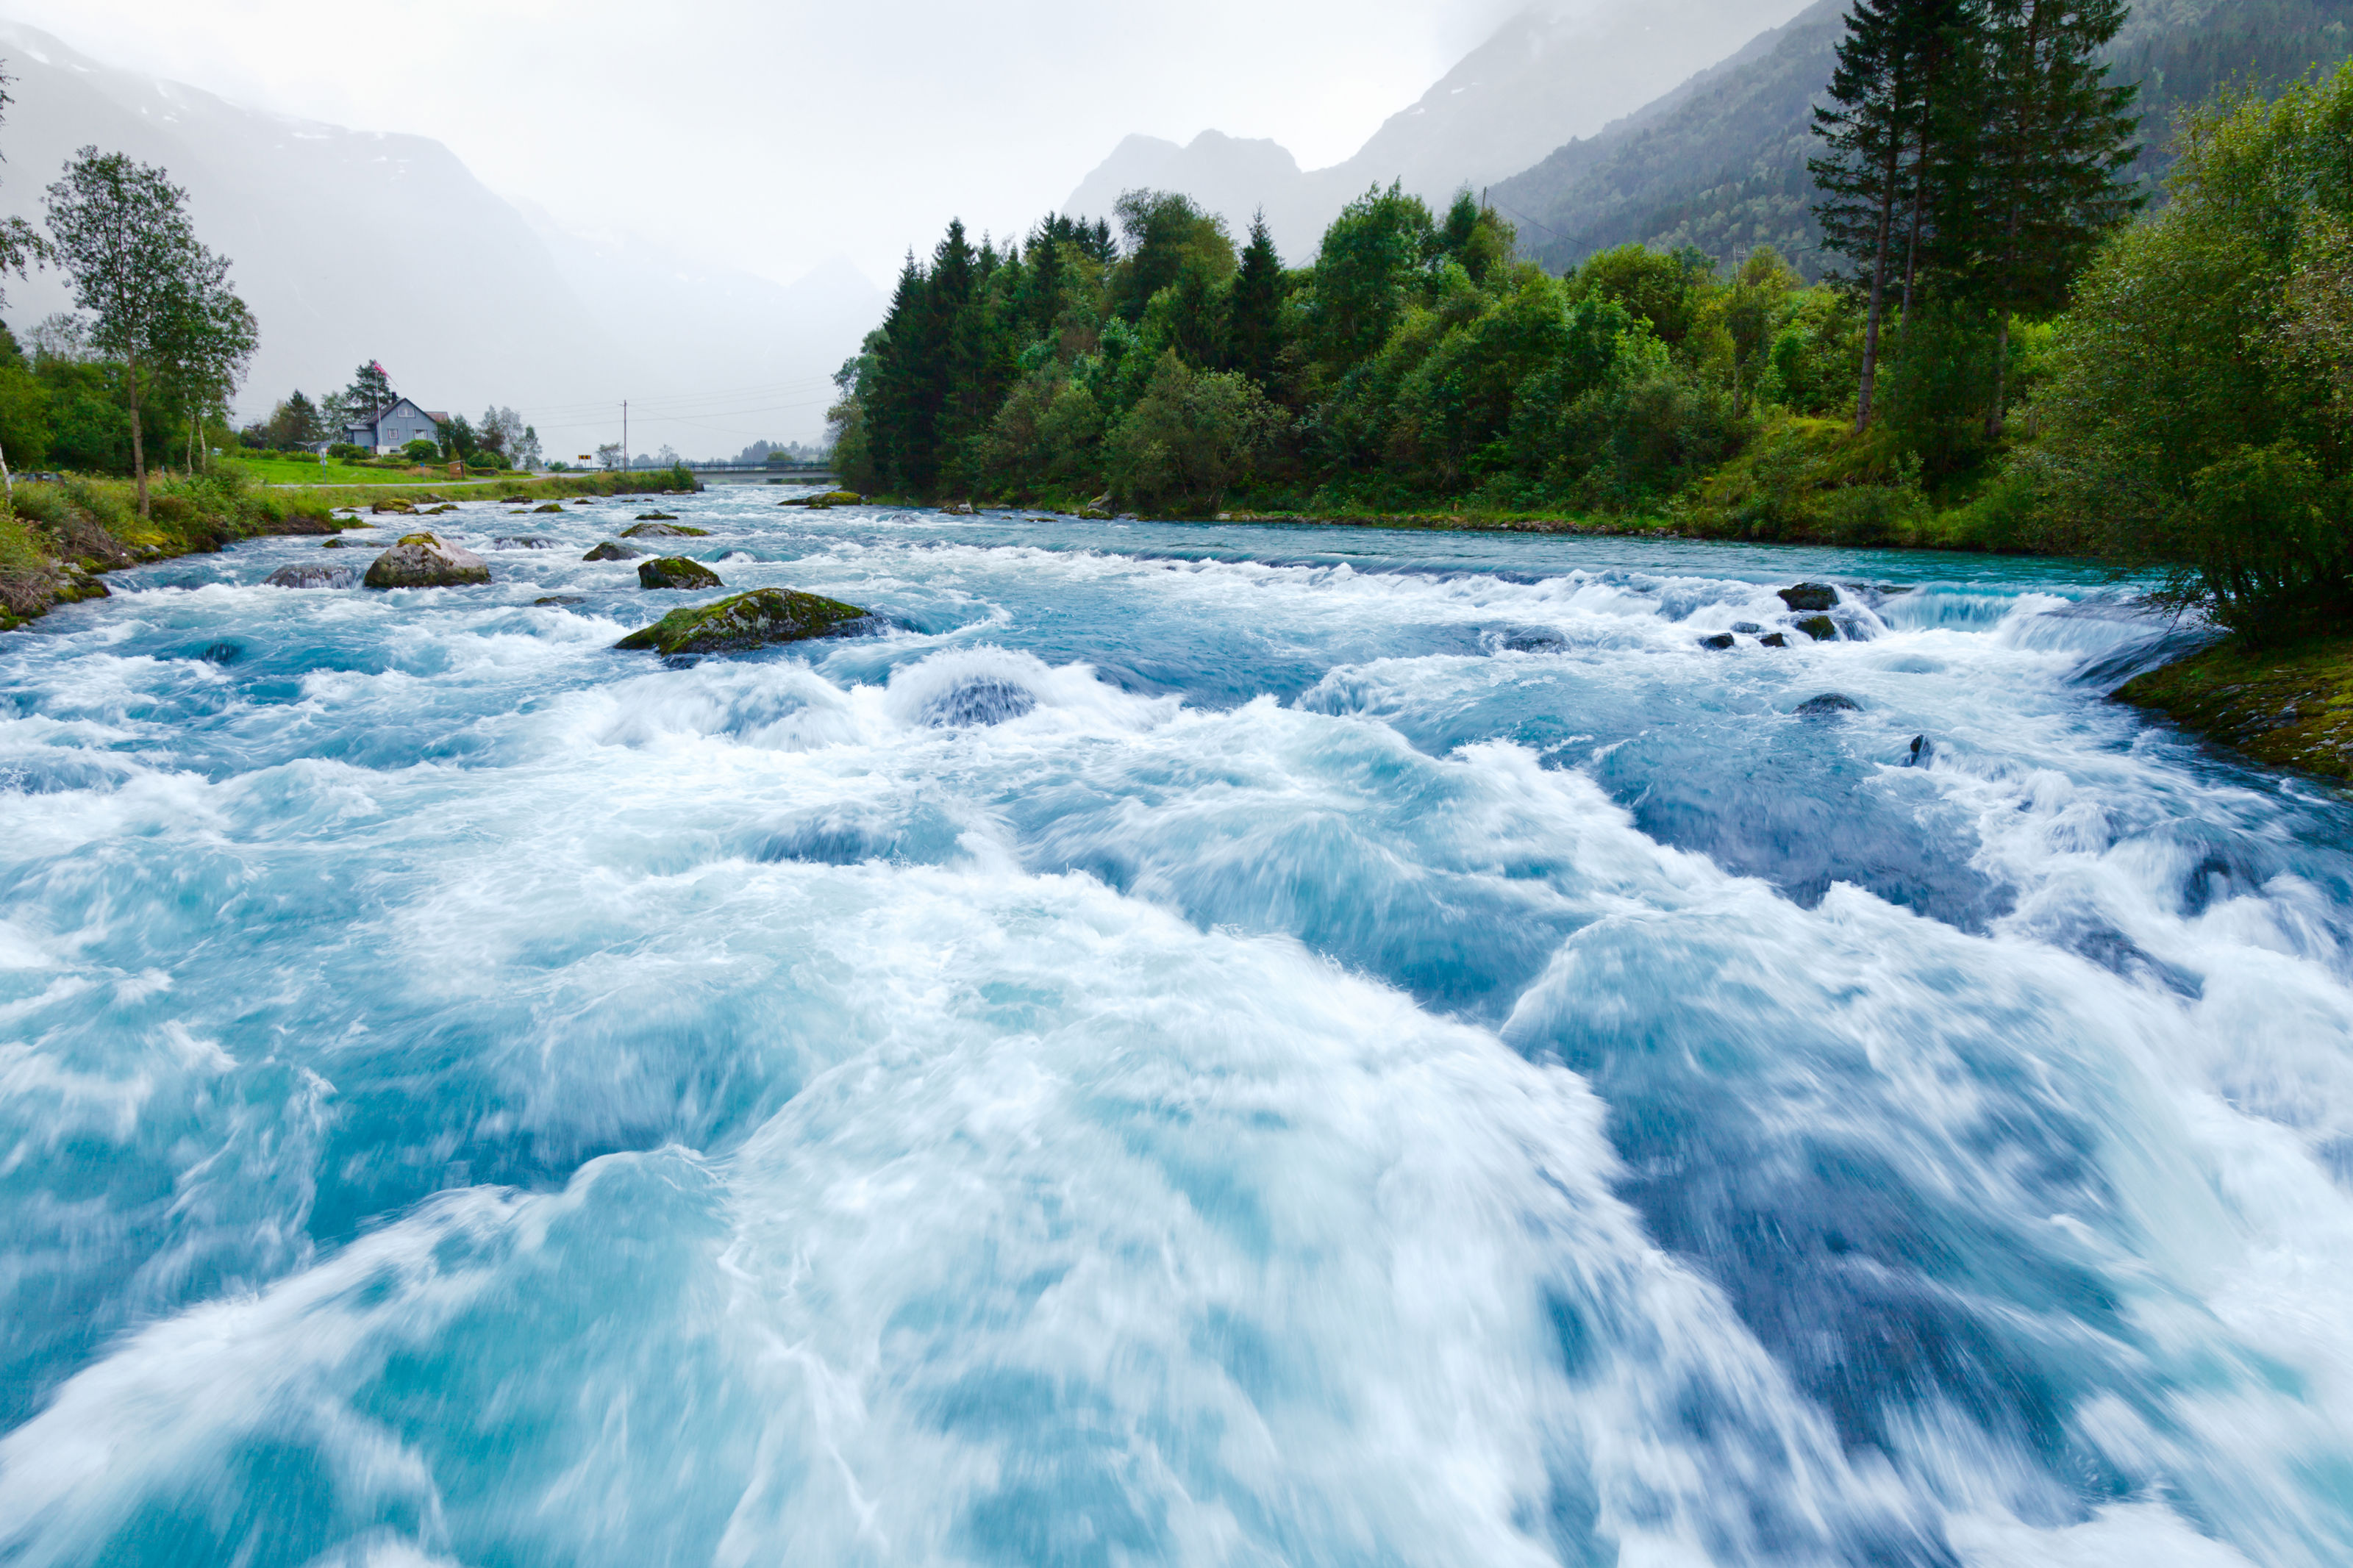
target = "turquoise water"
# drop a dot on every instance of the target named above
(1201, 1044)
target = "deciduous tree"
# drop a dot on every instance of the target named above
(122, 232)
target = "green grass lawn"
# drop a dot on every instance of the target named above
(274, 470)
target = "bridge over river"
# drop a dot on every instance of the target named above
(763, 473)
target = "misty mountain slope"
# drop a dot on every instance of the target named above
(1228, 175)
(1720, 165)
(1541, 79)
(351, 245)
(347, 244)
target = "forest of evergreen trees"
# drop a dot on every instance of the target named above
(1971, 183)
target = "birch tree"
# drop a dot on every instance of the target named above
(121, 231)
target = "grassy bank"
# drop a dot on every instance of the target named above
(2291, 707)
(58, 540)
(278, 471)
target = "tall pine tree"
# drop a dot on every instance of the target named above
(1938, 32)
(1254, 310)
(2039, 183)
(1873, 116)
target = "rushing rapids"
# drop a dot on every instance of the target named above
(1202, 1045)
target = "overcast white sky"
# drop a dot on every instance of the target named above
(782, 133)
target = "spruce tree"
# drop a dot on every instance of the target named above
(1254, 311)
(1865, 127)
(1887, 130)
(1938, 33)
(897, 423)
(2041, 181)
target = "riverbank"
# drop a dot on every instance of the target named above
(59, 541)
(2290, 707)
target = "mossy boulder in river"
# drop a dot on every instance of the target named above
(676, 571)
(421, 561)
(754, 620)
(664, 531)
(608, 551)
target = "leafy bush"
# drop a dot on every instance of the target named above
(2193, 416)
(1191, 438)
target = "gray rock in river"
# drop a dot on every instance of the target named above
(1719, 642)
(676, 571)
(556, 599)
(1828, 703)
(663, 531)
(1773, 639)
(1813, 597)
(521, 541)
(1751, 627)
(1822, 629)
(608, 551)
(421, 561)
(312, 577)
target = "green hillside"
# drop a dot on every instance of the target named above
(1720, 164)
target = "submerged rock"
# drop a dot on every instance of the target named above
(1719, 642)
(974, 703)
(559, 599)
(312, 577)
(1922, 751)
(521, 541)
(421, 561)
(676, 571)
(302, 522)
(1822, 629)
(1810, 596)
(762, 616)
(608, 551)
(664, 531)
(1750, 627)
(1829, 702)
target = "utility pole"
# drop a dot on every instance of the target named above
(625, 435)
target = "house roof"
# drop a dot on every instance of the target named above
(395, 407)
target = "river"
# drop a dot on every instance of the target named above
(1204, 1043)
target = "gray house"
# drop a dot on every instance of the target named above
(396, 428)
